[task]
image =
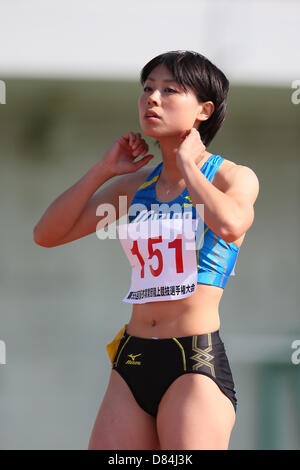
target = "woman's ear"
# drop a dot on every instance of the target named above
(206, 109)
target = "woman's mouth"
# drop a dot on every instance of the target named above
(151, 115)
(152, 118)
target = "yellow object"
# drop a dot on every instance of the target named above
(112, 347)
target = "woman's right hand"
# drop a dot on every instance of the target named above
(121, 154)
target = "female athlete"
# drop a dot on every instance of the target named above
(171, 385)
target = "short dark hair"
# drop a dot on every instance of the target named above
(192, 70)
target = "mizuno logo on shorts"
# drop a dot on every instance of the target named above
(133, 361)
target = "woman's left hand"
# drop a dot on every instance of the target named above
(190, 148)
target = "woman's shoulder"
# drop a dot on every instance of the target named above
(238, 180)
(141, 175)
(230, 171)
(130, 182)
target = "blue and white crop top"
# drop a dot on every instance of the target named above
(216, 258)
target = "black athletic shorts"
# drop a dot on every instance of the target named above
(149, 366)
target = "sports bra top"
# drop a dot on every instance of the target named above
(216, 259)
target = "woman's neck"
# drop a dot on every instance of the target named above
(171, 174)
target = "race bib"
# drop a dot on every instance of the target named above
(162, 255)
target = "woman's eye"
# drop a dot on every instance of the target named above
(170, 89)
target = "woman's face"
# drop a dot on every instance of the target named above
(177, 109)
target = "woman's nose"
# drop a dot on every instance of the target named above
(154, 97)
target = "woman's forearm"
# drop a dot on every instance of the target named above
(61, 215)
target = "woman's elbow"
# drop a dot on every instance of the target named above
(234, 231)
(38, 241)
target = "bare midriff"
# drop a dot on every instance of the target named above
(196, 314)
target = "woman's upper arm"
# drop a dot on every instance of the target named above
(242, 185)
(90, 219)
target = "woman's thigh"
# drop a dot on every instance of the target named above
(121, 424)
(194, 414)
